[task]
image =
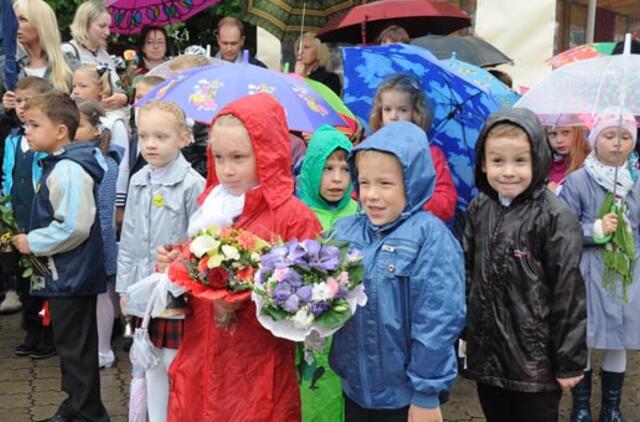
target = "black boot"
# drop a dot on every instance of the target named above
(611, 396)
(581, 393)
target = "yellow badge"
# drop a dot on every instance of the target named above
(158, 200)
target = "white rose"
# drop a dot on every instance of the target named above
(203, 244)
(321, 292)
(302, 319)
(230, 252)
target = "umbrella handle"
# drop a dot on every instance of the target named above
(606, 239)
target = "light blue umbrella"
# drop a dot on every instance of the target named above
(459, 106)
(503, 94)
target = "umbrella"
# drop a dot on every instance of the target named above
(419, 17)
(203, 91)
(130, 16)
(469, 49)
(575, 93)
(582, 52)
(459, 107)
(287, 18)
(503, 94)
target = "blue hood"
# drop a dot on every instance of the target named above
(409, 144)
(84, 153)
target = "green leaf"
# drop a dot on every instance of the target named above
(333, 319)
(27, 273)
(276, 314)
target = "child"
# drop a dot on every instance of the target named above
(162, 196)
(324, 186)
(246, 374)
(399, 98)
(66, 232)
(21, 176)
(91, 130)
(569, 148)
(525, 296)
(608, 266)
(396, 354)
(94, 83)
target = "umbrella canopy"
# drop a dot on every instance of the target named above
(130, 16)
(459, 107)
(363, 24)
(469, 49)
(503, 94)
(577, 92)
(203, 91)
(285, 19)
(582, 52)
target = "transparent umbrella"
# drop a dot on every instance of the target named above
(577, 92)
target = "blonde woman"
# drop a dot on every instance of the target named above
(314, 62)
(40, 55)
(90, 32)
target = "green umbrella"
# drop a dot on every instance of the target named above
(286, 19)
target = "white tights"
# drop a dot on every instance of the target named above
(105, 315)
(158, 385)
(614, 361)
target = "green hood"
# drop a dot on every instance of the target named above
(325, 140)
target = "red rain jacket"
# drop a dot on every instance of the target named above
(245, 374)
(443, 200)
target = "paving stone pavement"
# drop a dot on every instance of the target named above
(30, 389)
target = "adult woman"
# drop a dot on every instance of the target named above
(39, 39)
(393, 34)
(90, 32)
(314, 62)
(153, 49)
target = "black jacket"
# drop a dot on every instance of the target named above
(526, 315)
(330, 79)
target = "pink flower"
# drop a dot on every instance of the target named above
(343, 279)
(280, 273)
(333, 286)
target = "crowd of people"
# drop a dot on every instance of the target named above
(543, 273)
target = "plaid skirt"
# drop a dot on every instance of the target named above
(163, 332)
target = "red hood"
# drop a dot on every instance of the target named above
(265, 121)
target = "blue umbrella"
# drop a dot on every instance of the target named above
(202, 92)
(459, 107)
(503, 94)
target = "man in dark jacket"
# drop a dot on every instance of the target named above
(230, 40)
(526, 323)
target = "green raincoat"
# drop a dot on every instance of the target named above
(320, 387)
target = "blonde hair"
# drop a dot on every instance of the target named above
(368, 154)
(407, 84)
(188, 61)
(322, 51)
(86, 14)
(171, 108)
(44, 21)
(103, 81)
(507, 130)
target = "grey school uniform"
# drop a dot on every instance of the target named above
(611, 323)
(157, 213)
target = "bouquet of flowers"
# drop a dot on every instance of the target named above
(308, 286)
(219, 264)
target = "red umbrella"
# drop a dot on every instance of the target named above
(419, 17)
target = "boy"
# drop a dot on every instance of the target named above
(396, 354)
(66, 232)
(21, 171)
(325, 181)
(526, 297)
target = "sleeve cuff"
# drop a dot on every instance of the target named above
(598, 233)
(428, 401)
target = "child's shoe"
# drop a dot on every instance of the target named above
(43, 353)
(11, 303)
(581, 394)
(28, 346)
(106, 360)
(611, 396)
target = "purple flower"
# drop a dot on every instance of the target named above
(274, 259)
(354, 255)
(329, 257)
(296, 254)
(320, 308)
(304, 293)
(292, 304)
(281, 293)
(293, 278)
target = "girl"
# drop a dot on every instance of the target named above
(608, 263)
(247, 374)
(162, 198)
(400, 97)
(94, 83)
(569, 149)
(90, 130)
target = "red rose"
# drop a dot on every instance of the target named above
(217, 278)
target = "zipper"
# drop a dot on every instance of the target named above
(389, 248)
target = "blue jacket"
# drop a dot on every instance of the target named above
(398, 349)
(65, 227)
(11, 145)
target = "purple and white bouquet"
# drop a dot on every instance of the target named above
(308, 286)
